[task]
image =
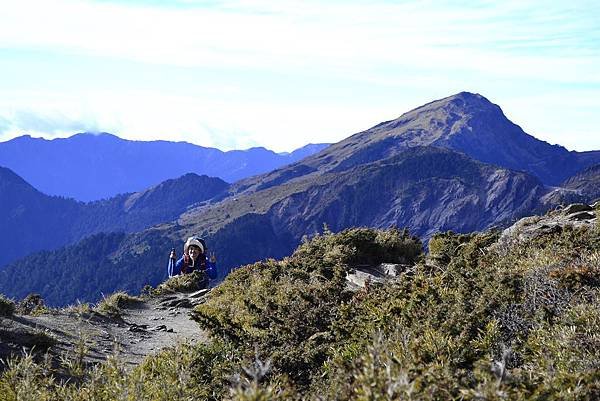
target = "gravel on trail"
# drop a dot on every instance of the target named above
(141, 329)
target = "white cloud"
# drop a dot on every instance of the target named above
(180, 118)
(398, 54)
(354, 38)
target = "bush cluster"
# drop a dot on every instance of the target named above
(7, 306)
(114, 304)
(473, 321)
(286, 309)
(194, 281)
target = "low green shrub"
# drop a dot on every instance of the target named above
(445, 246)
(7, 306)
(181, 372)
(287, 308)
(519, 323)
(32, 304)
(357, 246)
(79, 309)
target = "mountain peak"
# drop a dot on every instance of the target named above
(465, 122)
(468, 96)
(460, 104)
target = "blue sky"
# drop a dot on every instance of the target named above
(280, 74)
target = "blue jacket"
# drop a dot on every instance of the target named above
(174, 268)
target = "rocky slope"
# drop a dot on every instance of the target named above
(586, 183)
(427, 189)
(582, 187)
(464, 122)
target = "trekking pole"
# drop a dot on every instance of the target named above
(171, 262)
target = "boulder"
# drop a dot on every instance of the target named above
(360, 276)
(577, 207)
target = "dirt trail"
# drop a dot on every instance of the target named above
(141, 330)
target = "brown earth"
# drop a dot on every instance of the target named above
(139, 330)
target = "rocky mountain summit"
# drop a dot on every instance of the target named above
(465, 122)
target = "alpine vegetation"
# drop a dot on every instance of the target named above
(482, 316)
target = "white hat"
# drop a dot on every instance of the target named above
(193, 241)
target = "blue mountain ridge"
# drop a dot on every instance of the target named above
(90, 166)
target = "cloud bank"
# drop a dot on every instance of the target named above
(282, 73)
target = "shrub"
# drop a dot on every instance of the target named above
(79, 309)
(32, 304)
(358, 246)
(444, 246)
(7, 307)
(182, 283)
(115, 303)
(287, 308)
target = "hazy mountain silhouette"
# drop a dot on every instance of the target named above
(97, 166)
(31, 221)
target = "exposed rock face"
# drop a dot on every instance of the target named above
(362, 276)
(586, 183)
(582, 187)
(426, 189)
(574, 215)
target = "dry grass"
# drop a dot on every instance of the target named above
(114, 304)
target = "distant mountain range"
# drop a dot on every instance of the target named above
(90, 167)
(31, 221)
(454, 164)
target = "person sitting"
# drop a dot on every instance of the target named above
(194, 258)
